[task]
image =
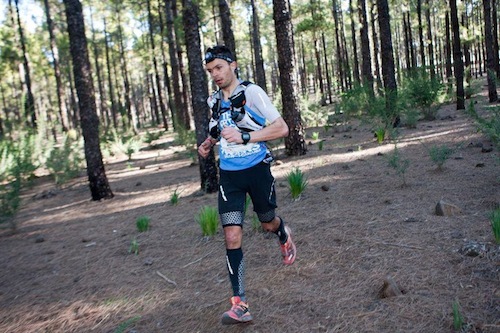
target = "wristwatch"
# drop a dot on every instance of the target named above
(245, 137)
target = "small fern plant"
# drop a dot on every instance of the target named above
(297, 183)
(398, 163)
(495, 224)
(440, 154)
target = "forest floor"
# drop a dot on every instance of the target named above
(357, 227)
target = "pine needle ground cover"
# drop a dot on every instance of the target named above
(68, 266)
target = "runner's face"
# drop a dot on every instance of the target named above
(221, 72)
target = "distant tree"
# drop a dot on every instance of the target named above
(29, 103)
(198, 80)
(295, 143)
(458, 64)
(63, 116)
(490, 55)
(98, 182)
(388, 68)
(366, 63)
(260, 73)
(227, 26)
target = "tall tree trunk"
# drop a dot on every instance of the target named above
(376, 48)
(458, 64)
(490, 56)
(429, 39)
(182, 68)
(98, 182)
(448, 47)
(198, 79)
(388, 69)
(131, 115)
(366, 63)
(327, 71)
(29, 103)
(295, 144)
(166, 76)
(406, 28)
(180, 110)
(102, 94)
(260, 73)
(338, 46)
(159, 90)
(494, 25)
(111, 86)
(227, 27)
(354, 43)
(63, 116)
(421, 33)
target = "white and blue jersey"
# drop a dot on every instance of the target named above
(236, 156)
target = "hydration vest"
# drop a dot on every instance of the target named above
(242, 118)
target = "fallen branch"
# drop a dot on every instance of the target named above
(166, 278)
(401, 245)
(197, 260)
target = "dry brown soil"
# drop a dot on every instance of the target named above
(68, 266)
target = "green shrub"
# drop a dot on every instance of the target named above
(65, 162)
(495, 224)
(142, 223)
(422, 92)
(134, 247)
(151, 136)
(440, 154)
(398, 163)
(458, 320)
(208, 219)
(296, 183)
(490, 126)
(174, 198)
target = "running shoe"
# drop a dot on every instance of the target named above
(239, 312)
(288, 250)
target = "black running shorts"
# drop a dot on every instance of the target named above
(257, 181)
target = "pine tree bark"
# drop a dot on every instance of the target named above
(98, 182)
(111, 86)
(198, 80)
(490, 56)
(29, 103)
(495, 23)
(227, 27)
(295, 144)
(180, 110)
(366, 63)
(421, 33)
(448, 47)
(388, 68)
(63, 116)
(429, 39)
(260, 73)
(458, 64)
(354, 43)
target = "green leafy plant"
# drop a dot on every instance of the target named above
(134, 247)
(398, 163)
(142, 223)
(151, 136)
(422, 92)
(315, 135)
(440, 154)
(65, 162)
(127, 144)
(490, 125)
(256, 225)
(296, 183)
(495, 224)
(123, 326)
(380, 134)
(320, 145)
(458, 320)
(174, 198)
(208, 219)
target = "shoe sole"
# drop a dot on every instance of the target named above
(289, 232)
(227, 320)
